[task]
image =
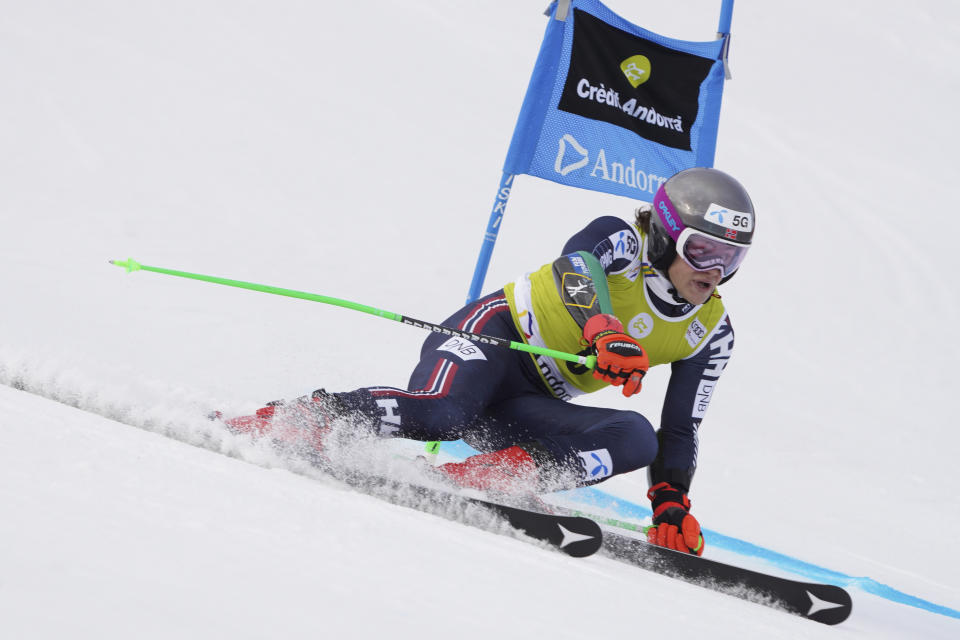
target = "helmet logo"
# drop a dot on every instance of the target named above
(636, 69)
(715, 215)
(736, 221)
(667, 216)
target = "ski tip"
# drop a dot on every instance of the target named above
(129, 264)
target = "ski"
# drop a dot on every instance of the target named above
(824, 603)
(576, 536)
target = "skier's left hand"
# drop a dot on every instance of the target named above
(673, 526)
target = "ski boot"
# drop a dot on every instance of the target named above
(301, 427)
(523, 469)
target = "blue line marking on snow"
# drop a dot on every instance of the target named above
(625, 508)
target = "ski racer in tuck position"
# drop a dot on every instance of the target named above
(636, 296)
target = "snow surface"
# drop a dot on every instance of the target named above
(353, 150)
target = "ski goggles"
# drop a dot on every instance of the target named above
(705, 253)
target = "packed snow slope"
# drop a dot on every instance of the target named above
(353, 150)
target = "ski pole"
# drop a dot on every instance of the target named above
(431, 451)
(588, 361)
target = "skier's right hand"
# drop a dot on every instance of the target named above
(620, 359)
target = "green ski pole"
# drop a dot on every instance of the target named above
(588, 361)
(432, 450)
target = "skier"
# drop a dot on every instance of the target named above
(636, 296)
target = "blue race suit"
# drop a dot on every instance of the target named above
(494, 397)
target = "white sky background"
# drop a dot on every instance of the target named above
(354, 151)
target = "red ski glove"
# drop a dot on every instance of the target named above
(673, 526)
(620, 359)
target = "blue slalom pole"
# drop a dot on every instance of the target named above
(726, 17)
(723, 31)
(490, 237)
